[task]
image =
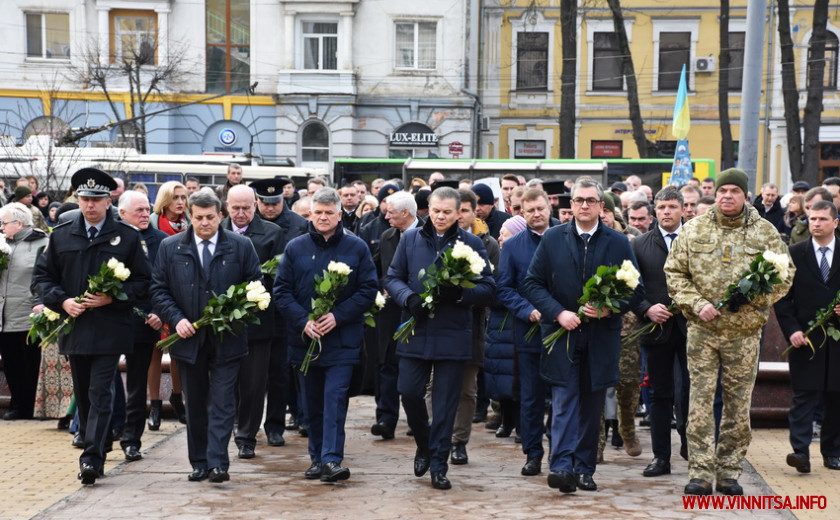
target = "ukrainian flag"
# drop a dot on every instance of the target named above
(682, 119)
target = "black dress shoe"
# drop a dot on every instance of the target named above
(504, 431)
(303, 430)
(421, 463)
(314, 471)
(799, 461)
(155, 412)
(64, 422)
(218, 475)
(698, 486)
(831, 462)
(657, 468)
(533, 466)
(493, 423)
(177, 403)
(383, 430)
(198, 475)
(87, 473)
(562, 480)
(332, 472)
(459, 454)
(246, 452)
(584, 481)
(729, 486)
(78, 441)
(439, 481)
(132, 453)
(275, 439)
(11, 415)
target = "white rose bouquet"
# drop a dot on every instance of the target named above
(608, 288)
(768, 269)
(109, 280)
(5, 251)
(460, 265)
(378, 303)
(327, 287)
(43, 324)
(229, 311)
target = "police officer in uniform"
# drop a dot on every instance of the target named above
(102, 328)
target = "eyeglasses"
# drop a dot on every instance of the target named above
(6, 223)
(516, 208)
(591, 201)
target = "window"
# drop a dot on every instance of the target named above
(736, 60)
(320, 45)
(532, 61)
(415, 45)
(48, 35)
(133, 36)
(674, 52)
(606, 62)
(315, 143)
(830, 71)
(228, 31)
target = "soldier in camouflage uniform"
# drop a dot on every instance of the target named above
(712, 252)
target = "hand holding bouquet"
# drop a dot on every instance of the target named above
(460, 266)
(327, 287)
(5, 251)
(826, 319)
(765, 271)
(229, 311)
(608, 289)
(108, 281)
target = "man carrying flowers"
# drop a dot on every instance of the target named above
(582, 362)
(191, 269)
(326, 324)
(437, 334)
(712, 253)
(102, 324)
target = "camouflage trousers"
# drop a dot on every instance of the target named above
(737, 360)
(627, 390)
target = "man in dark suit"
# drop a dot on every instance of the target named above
(667, 344)
(814, 376)
(135, 211)
(190, 267)
(442, 343)
(401, 212)
(102, 330)
(268, 242)
(281, 388)
(566, 258)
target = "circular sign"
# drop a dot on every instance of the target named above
(227, 137)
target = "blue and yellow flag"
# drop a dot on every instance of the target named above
(682, 119)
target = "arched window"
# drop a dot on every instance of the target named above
(315, 143)
(45, 125)
(831, 53)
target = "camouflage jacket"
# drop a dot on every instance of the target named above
(711, 252)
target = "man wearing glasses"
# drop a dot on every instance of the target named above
(579, 371)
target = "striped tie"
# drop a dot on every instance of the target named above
(824, 263)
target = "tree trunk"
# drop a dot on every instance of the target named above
(629, 73)
(790, 94)
(728, 152)
(568, 25)
(814, 101)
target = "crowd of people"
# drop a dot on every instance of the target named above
(475, 352)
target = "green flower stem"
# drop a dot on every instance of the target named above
(174, 337)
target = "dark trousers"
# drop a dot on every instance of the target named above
(661, 361)
(577, 419)
(21, 363)
(136, 379)
(93, 385)
(387, 396)
(801, 416)
(253, 375)
(327, 398)
(211, 405)
(119, 411)
(531, 405)
(277, 386)
(435, 439)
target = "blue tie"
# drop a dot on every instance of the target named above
(206, 257)
(585, 237)
(92, 232)
(824, 263)
(672, 237)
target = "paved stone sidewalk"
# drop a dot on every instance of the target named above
(382, 485)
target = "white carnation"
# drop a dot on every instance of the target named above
(339, 268)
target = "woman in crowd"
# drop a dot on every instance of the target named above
(20, 361)
(170, 216)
